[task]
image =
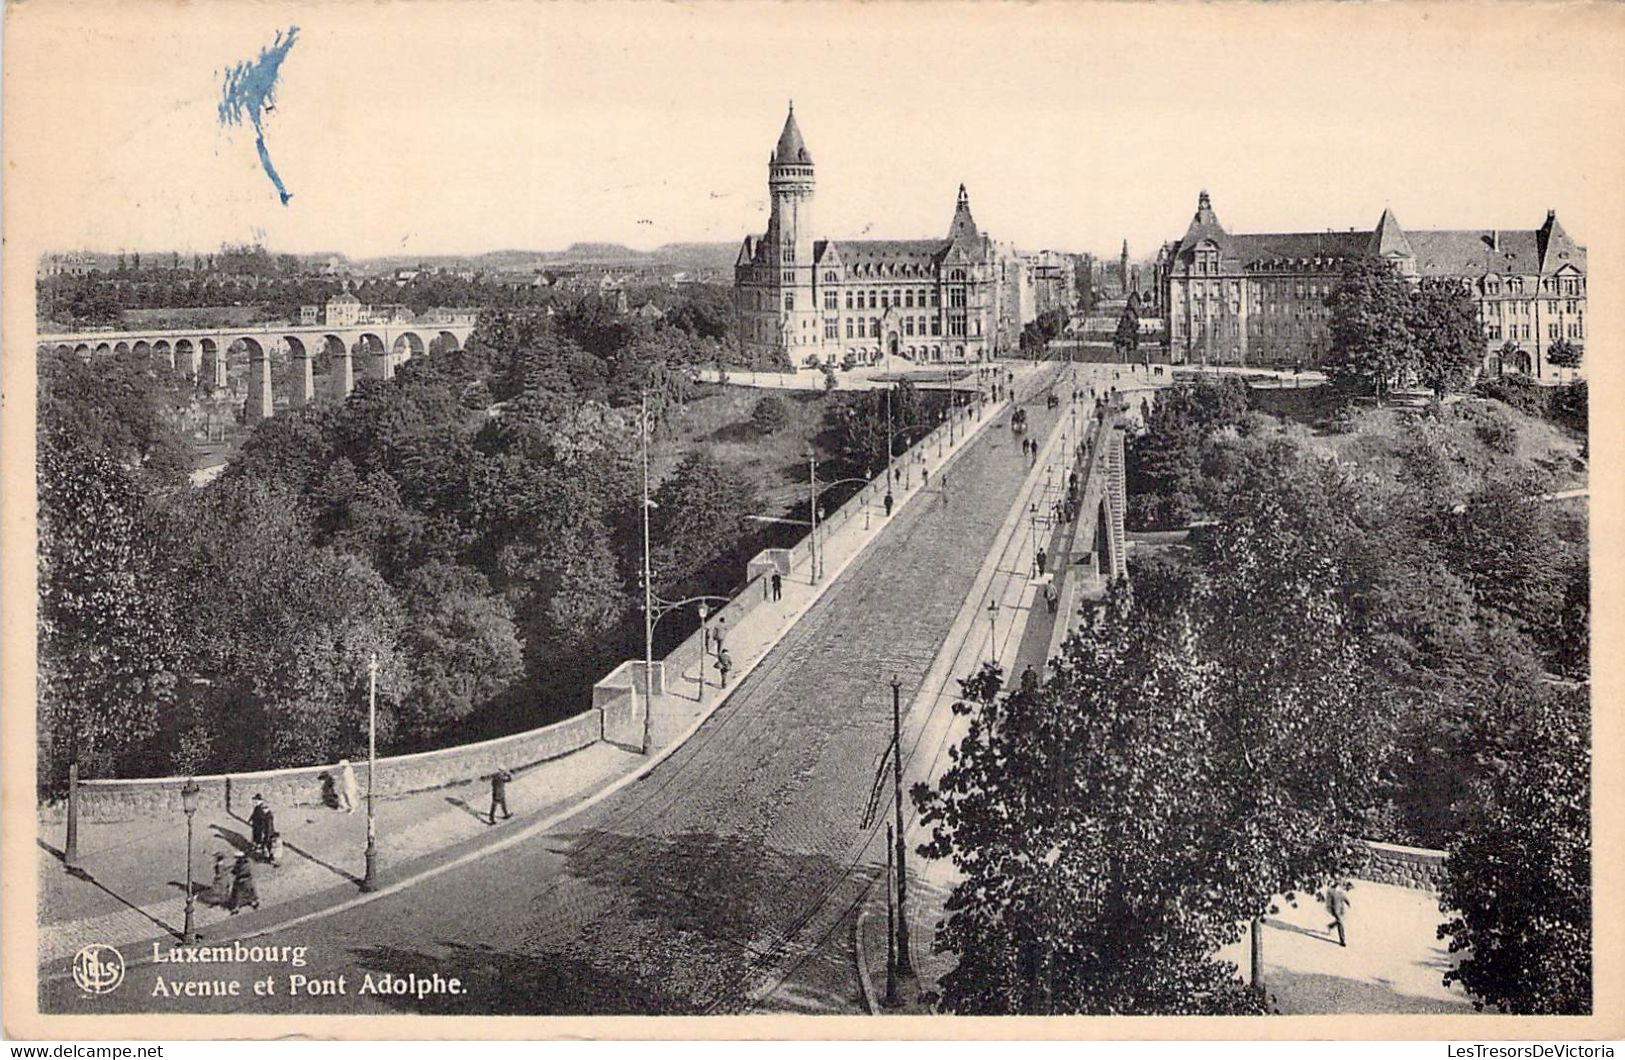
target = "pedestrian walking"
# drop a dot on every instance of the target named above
(1337, 904)
(724, 664)
(1051, 598)
(925, 477)
(352, 790)
(719, 631)
(888, 505)
(218, 893)
(1043, 561)
(499, 795)
(243, 891)
(942, 488)
(778, 585)
(259, 822)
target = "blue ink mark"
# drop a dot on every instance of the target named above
(250, 91)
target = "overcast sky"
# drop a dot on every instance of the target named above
(464, 127)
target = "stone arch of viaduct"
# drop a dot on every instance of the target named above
(351, 352)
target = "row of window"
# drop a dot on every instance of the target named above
(885, 269)
(908, 298)
(1568, 285)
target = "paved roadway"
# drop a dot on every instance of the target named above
(728, 878)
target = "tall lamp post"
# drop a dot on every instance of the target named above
(705, 642)
(369, 880)
(1032, 519)
(890, 436)
(993, 632)
(70, 849)
(812, 514)
(905, 964)
(189, 793)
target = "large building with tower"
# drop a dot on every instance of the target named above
(797, 297)
(1234, 298)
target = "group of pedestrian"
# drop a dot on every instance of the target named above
(341, 793)
(265, 840)
(232, 887)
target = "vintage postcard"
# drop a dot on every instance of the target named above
(832, 518)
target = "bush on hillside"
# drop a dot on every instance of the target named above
(769, 415)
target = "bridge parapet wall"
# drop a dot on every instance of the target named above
(123, 800)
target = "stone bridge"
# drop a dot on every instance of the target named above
(1096, 552)
(373, 349)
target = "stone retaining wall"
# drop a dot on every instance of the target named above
(123, 800)
(1413, 867)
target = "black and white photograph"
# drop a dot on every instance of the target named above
(835, 510)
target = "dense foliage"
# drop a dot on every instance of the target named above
(1519, 881)
(1387, 332)
(472, 523)
(1212, 740)
(1339, 655)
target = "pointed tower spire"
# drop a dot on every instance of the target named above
(1205, 224)
(791, 147)
(1553, 243)
(963, 225)
(1388, 239)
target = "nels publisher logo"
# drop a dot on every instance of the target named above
(98, 969)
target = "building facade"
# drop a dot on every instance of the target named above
(798, 298)
(1234, 298)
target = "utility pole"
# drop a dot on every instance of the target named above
(905, 965)
(891, 927)
(648, 581)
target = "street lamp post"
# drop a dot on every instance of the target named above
(812, 514)
(890, 437)
(905, 964)
(369, 881)
(993, 632)
(705, 642)
(1032, 519)
(70, 849)
(189, 793)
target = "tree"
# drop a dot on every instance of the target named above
(1084, 881)
(701, 514)
(1565, 354)
(280, 628)
(1092, 881)
(1373, 345)
(1519, 883)
(108, 642)
(1127, 339)
(461, 649)
(769, 415)
(1449, 336)
(1511, 354)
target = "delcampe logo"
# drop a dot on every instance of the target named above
(98, 969)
